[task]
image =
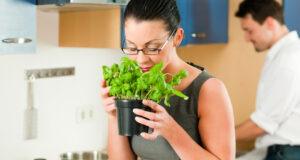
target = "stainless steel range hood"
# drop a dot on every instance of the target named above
(78, 5)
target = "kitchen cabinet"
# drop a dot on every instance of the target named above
(18, 20)
(86, 23)
(204, 21)
(291, 10)
(91, 28)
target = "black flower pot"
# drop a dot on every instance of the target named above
(126, 118)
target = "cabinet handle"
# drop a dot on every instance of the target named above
(16, 40)
(200, 35)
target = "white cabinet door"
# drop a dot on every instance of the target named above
(17, 20)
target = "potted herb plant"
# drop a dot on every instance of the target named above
(130, 86)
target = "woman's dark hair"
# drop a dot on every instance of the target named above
(261, 10)
(165, 10)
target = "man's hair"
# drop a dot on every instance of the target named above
(165, 10)
(260, 10)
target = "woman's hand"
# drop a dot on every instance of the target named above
(159, 119)
(108, 102)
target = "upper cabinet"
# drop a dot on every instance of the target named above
(101, 25)
(291, 10)
(93, 29)
(204, 21)
(87, 23)
(18, 26)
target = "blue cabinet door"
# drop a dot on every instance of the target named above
(18, 20)
(204, 21)
(291, 14)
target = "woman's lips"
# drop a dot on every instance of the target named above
(145, 69)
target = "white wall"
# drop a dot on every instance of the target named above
(56, 99)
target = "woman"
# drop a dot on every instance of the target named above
(199, 128)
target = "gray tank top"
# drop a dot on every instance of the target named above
(186, 115)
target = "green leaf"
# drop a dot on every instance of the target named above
(167, 99)
(157, 68)
(180, 94)
(127, 77)
(177, 78)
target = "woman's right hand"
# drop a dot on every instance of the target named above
(108, 102)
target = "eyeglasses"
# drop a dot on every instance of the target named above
(147, 51)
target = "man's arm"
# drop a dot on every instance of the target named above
(248, 130)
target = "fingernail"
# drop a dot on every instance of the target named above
(134, 110)
(137, 119)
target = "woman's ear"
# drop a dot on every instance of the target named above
(178, 37)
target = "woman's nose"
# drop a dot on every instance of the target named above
(141, 57)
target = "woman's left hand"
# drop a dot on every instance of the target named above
(159, 119)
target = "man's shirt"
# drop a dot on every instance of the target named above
(278, 94)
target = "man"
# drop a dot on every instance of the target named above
(275, 124)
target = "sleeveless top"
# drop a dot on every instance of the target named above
(185, 113)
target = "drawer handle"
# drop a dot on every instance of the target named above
(200, 35)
